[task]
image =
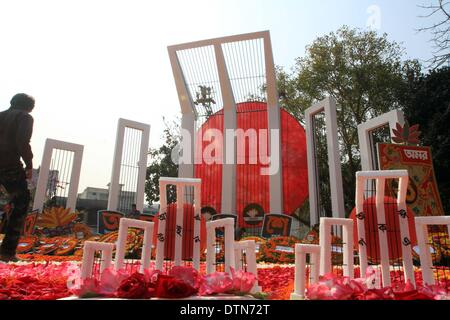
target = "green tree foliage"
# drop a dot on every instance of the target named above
(204, 98)
(363, 71)
(161, 164)
(427, 103)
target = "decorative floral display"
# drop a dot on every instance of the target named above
(277, 281)
(61, 246)
(134, 287)
(56, 217)
(259, 242)
(27, 244)
(332, 287)
(58, 280)
(243, 282)
(34, 281)
(57, 234)
(66, 247)
(48, 245)
(173, 288)
(279, 250)
(181, 282)
(440, 249)
(56, 221)
(215, 283)
(45, 258)
(84, 230)
(42, 279)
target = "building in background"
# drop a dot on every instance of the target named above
(91, 193)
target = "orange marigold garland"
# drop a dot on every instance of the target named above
(26, 244)
(440, 253)
(33, 257)
(66, 247)
(48, 245)
(279, 250)
(81, 228)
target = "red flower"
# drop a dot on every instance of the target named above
(187, 274)
(172, 288)
(134, 287)
(243, 282)
(215, 283)
(375, 294)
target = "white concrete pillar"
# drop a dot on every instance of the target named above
(274, 124)
(181, 184)
(326, 248)
(301, 250)
(114, 188)
(249, 247)
(229, 138)
(125, 224)
(211, 226)
(42, 184)
(89, 249)
(337, 196)
(363, 178)
(426, 259)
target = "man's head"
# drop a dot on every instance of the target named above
(22, 101)
(133, 206)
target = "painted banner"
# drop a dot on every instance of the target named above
(146, 217)
(30, 222)
(423, 195)
(108, 221)
(276, 225)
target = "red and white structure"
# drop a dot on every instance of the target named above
(362, 180)
(301, 251)
(326, 247)
(181, 187)
(234, 69)
(89, 250)
(426, 261)
(211, 226)
(247, 247)
(146, 255)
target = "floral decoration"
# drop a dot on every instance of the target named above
(270, 250)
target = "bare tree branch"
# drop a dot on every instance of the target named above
(440, 32)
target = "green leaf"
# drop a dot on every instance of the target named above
(260, 295)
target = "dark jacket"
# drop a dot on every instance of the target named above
(16, 128)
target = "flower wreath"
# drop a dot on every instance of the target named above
(269, 253)
(135, 241)
(26, 244)
(441, 248)
(66, 247)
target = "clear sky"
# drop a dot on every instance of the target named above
(88, 63)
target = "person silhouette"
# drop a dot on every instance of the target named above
(16, 129)
(134, 213)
